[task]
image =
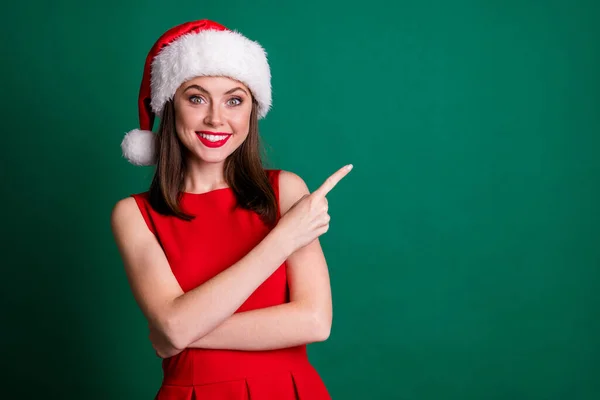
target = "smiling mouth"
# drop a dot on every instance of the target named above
(213, 136)
(213, 140)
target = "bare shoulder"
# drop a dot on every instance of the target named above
(291, 188)
(126, 218)
(123, 209)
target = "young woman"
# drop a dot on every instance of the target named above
(222, 255)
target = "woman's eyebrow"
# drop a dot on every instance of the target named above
(234, 89)
(200, 88)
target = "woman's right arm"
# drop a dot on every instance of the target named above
(185, 318)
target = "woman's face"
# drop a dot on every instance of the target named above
(212, 116)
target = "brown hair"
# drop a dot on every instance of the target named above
(244, 172)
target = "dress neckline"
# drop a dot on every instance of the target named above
(190, 194)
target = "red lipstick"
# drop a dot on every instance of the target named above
(211, 144)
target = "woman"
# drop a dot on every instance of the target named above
(222, 256)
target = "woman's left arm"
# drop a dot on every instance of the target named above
(305, 319)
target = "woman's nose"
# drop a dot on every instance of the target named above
(213, 117)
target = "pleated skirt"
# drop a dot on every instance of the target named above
(200, 374)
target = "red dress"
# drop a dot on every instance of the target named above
(197, 250)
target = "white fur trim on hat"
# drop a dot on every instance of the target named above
(211, 53)
(138, 147)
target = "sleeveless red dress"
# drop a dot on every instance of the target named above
(199, 249)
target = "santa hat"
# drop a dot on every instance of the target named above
(197, 48)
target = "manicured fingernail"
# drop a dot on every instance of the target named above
(349, 167)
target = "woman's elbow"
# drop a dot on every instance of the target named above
(322, 327)
(323, 334)
(175, 334)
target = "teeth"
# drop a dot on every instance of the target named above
(213, 138)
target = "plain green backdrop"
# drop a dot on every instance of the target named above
(464, 246)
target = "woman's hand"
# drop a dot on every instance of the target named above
(308, 219)
(161, 345)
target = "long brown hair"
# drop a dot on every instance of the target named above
(244, 172)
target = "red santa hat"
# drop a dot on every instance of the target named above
(197, 48)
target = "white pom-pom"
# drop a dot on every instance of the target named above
(138, 147)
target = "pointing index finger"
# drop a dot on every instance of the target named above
(332, 181)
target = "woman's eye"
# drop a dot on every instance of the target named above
(196, 99)
(234, 101)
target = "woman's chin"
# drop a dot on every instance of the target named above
(209, 157)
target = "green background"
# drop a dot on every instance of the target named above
(464, 247)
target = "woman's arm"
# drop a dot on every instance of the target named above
(305, 319)
(175, 314)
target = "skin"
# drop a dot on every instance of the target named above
(214, 104)
(180, 320)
